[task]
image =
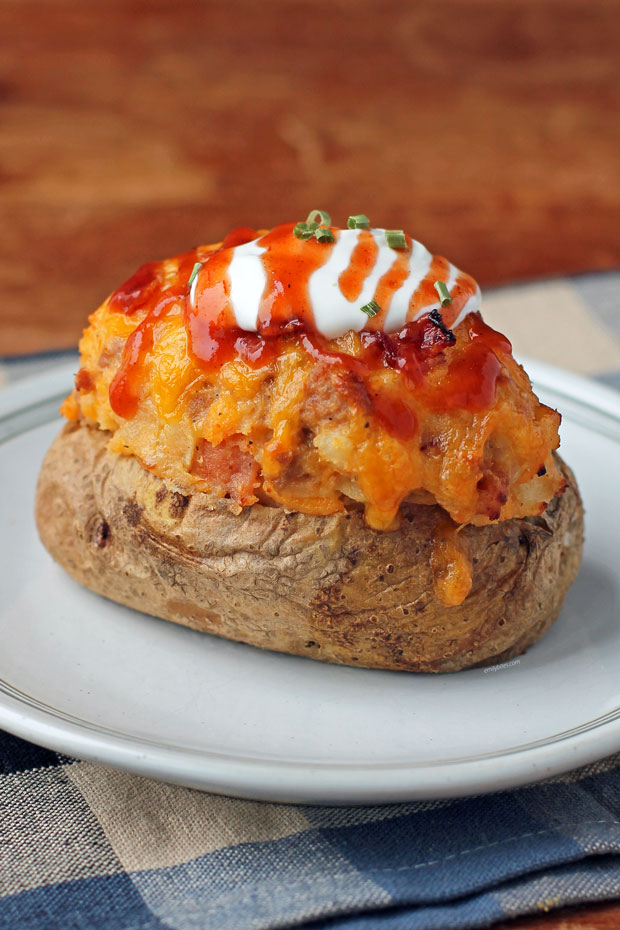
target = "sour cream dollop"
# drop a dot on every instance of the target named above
(333, 281)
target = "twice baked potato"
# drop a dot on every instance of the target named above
(308, 440)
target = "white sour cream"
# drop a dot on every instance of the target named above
(334, 315)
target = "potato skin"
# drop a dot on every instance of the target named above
(326, 587)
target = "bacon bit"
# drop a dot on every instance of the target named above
(493, 490)
(84, 381)
(351, 386)
(228, 468)
(436, 318)
(424, 339)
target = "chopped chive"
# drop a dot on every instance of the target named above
(444, 294)
(305, 230)
(371, 309)
(395, 238)
(319, 216)
(359, 221)
(323, 234)
(195, 270)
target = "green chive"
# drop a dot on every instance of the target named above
(195, 271)
(319, 216)
(395, 238)
(305, 230)
(324, 235)
(371, 309)
(360, 221)
(444, 294)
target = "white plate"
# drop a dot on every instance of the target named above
(89, 678)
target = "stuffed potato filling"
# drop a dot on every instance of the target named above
(221, 372)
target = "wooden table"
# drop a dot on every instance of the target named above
(487, 128)
(601, 917)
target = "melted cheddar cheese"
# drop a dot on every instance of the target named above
(285, 415)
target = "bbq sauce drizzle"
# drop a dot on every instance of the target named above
(285, 314)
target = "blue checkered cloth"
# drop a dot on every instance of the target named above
(84, 847)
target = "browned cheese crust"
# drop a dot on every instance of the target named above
(326, 587)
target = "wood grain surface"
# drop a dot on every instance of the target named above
(133, 130)
(596, 917)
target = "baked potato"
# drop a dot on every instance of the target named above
(376, 485)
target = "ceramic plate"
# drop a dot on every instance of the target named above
(84, 676)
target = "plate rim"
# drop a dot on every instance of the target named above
(307, 782)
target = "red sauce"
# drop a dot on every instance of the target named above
(463, 288)
(425, 292)
(239, 236)
(469, 382)
(289, 262)
(136, 292)
(398, 419)
(362, 261)
(394, 277)
(213, 346)
(125, 388)
(209, 317)
(468, 379)
(478, 329)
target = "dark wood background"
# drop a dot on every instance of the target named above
(134, 129)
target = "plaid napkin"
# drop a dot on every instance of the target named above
(83, 847)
